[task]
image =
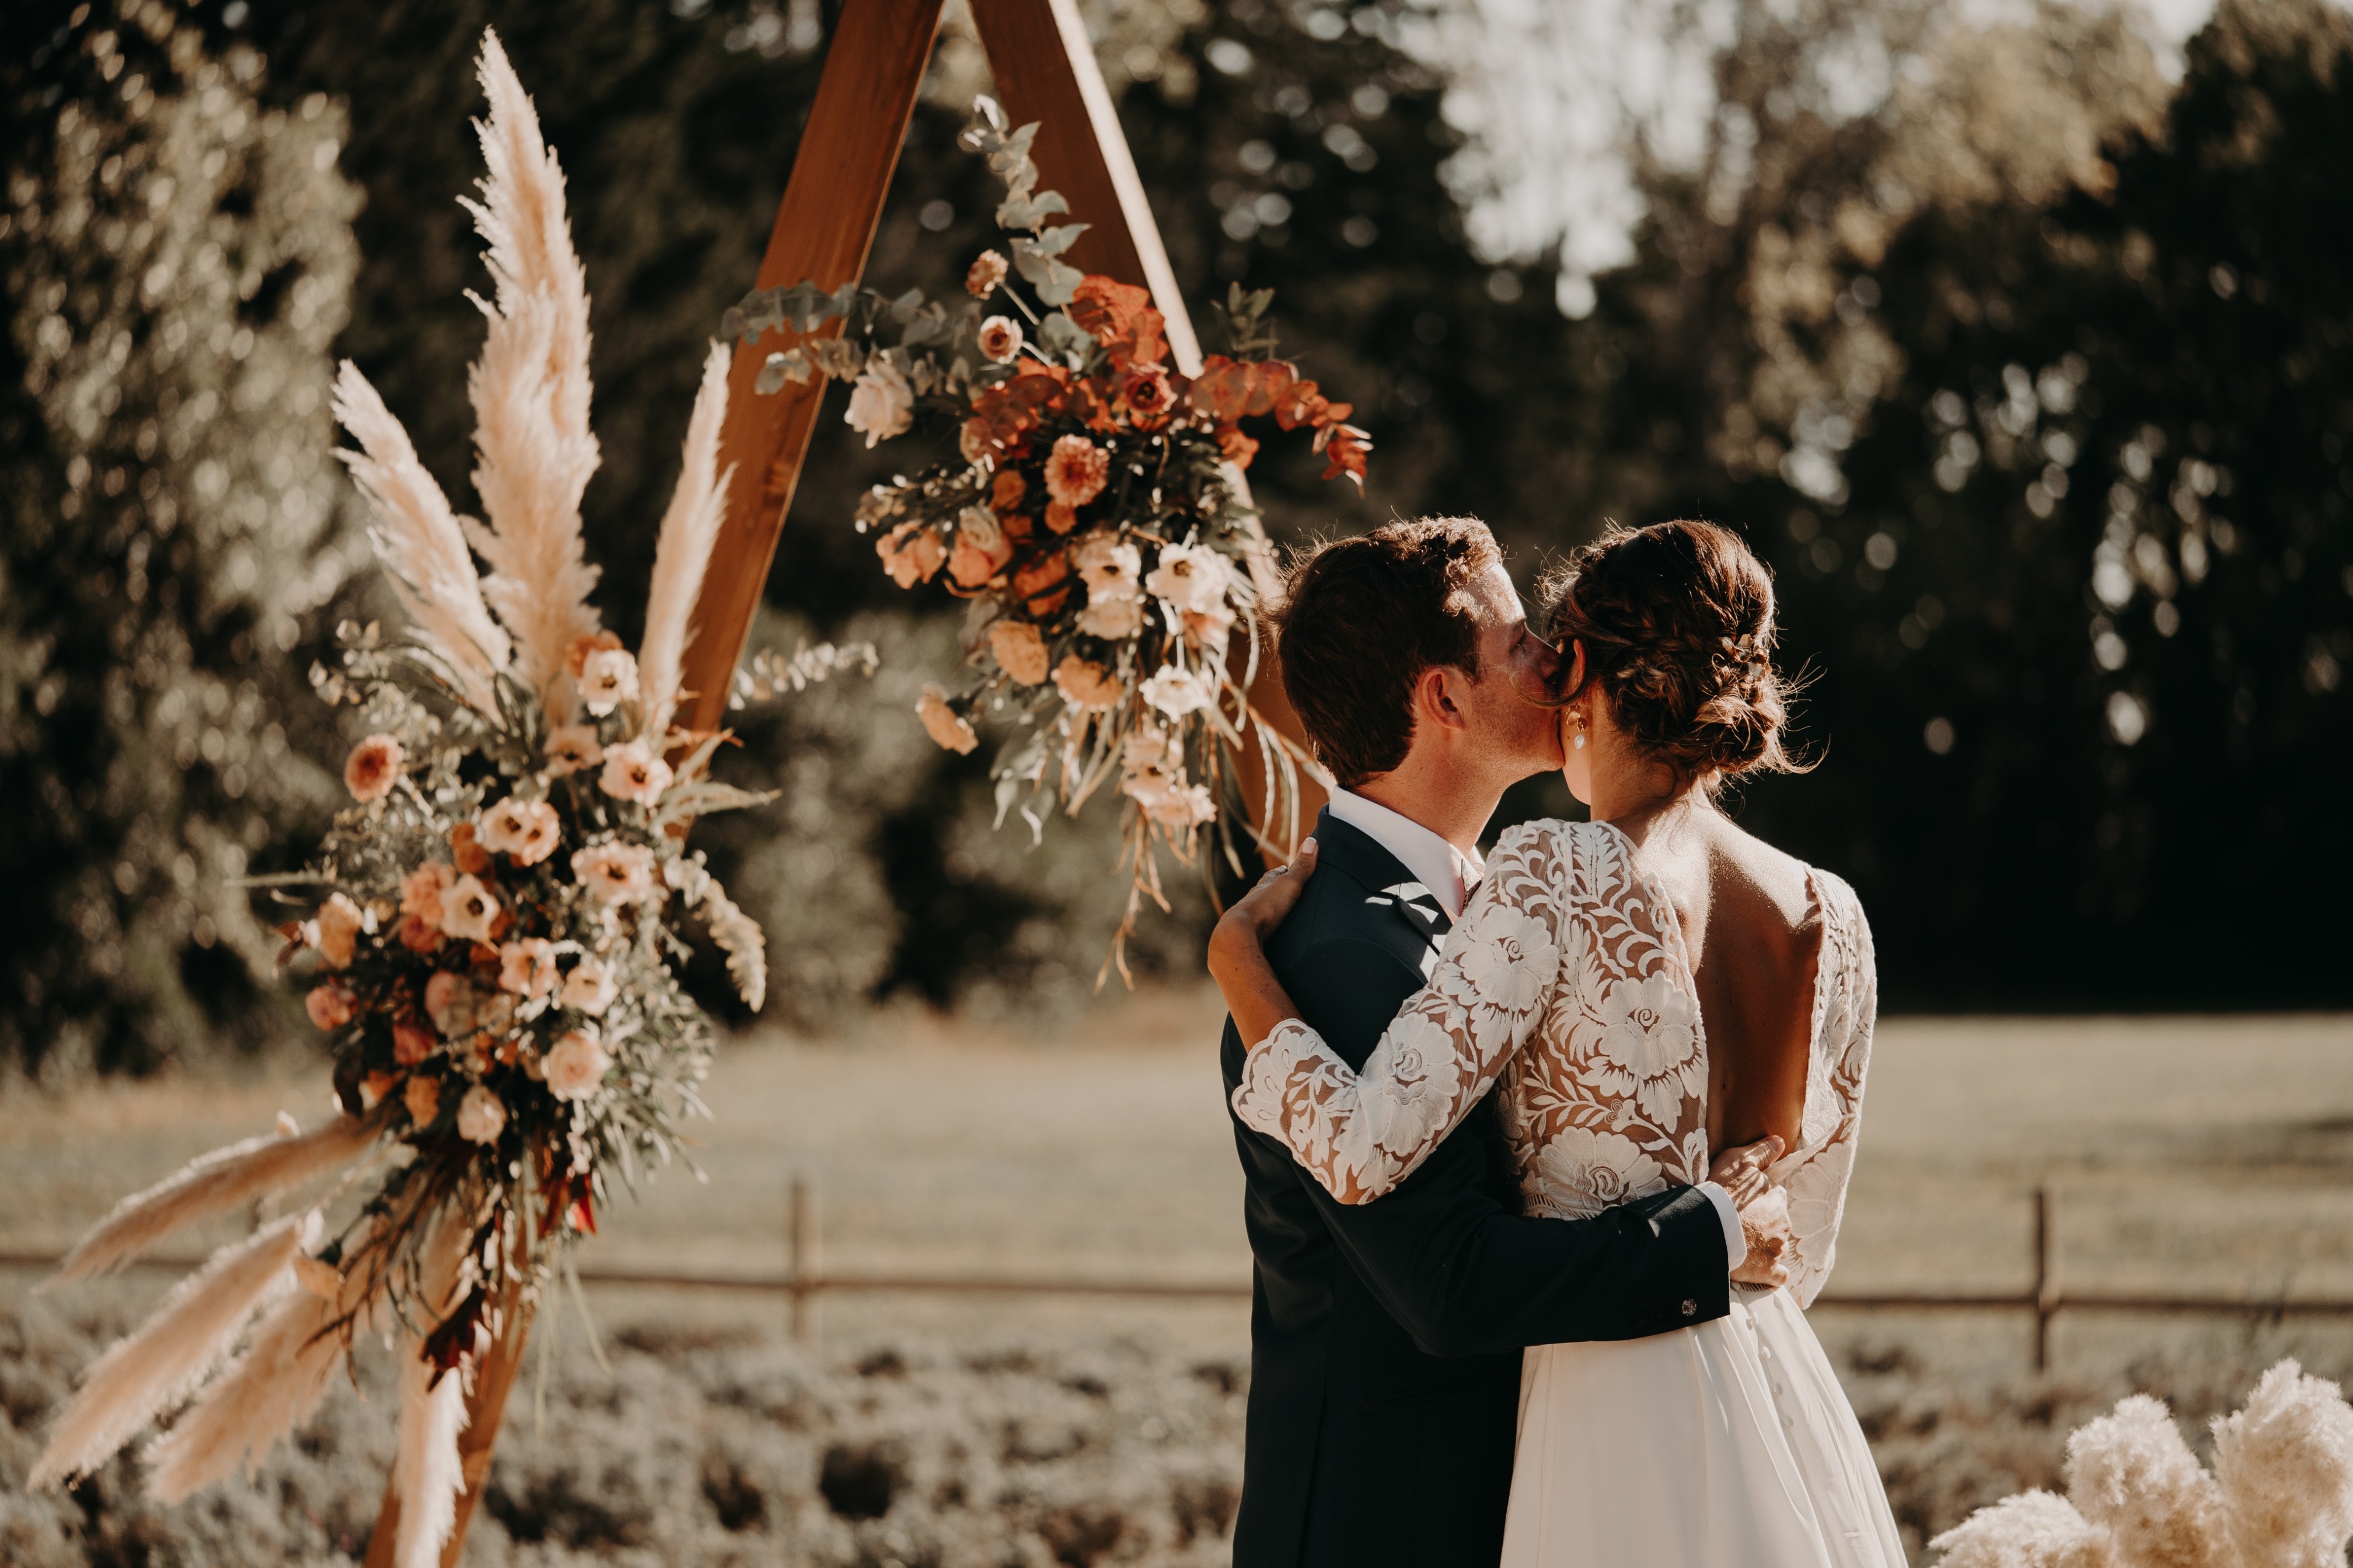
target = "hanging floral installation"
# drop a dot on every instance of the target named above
(495, 926)
(1095, 517)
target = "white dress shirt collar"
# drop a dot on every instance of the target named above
(1446, 871)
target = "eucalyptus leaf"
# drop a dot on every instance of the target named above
(1054, 241)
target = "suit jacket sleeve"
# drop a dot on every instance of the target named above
(1465, 1273)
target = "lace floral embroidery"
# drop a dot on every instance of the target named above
(1566, 944)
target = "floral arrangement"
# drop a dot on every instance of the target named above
(496, 921)
(2280, 1496)
(1095, 516)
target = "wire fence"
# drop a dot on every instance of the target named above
(806, 1281)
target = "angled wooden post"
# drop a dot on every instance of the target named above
(825, 226)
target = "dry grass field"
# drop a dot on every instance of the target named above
(2184, 1154)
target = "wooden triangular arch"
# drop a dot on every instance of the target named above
(1045, 71)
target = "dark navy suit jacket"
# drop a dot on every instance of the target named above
(1385, 1337)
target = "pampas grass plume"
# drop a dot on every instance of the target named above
(688, 530)
(2131, 1474)
(213, 1184)
(530, 390)
(268, 1391)
(420, 541)
(427, 1471)
(150, 1371)
(2285, 1464)
(2032, 1530)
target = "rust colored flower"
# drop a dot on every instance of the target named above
(423, 1099)
(1006, 491)
(1222, 390)
(980, 549)
(947, 728)
(1077, 471)
(1235, 447)
(412, 1042)
(1060, 518)
(471, 857)
(331, 1005)
(1044, 585)
(421, 890)
(910, 553)
(1145, 393)
(416, 935)
(1086, 685)
(986, 274)
(339, 924)
(372, 768)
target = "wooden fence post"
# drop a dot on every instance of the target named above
(2046, 1279)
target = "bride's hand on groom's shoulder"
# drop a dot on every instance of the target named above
(1266, 906)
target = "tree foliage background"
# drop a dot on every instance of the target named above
(2026, 368)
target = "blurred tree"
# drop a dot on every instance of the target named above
(177, 261)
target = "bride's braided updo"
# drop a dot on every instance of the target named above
(1677, 624)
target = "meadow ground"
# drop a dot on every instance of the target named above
(2196, 1154)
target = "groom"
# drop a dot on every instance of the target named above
(1385, 1338)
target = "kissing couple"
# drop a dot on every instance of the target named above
(1544, 1156)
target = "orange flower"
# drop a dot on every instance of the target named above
(1237, 447)
(1121, 318)
(1060, 518)
(1004, 495)
(331, 1005)
(412, 1043)
(980, 548)
(1044, 584)
(1145, 393)
(418, 936)
(471, 857)
(911, 553)
(1019, 650)
(1222, 390)
(372, 768)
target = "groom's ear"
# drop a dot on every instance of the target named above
(1433, 697)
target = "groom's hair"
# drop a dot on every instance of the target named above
(1363, 618)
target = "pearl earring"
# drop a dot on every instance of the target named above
(1577, 742)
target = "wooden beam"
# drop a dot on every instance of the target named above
(1045, 70)
(824, 228)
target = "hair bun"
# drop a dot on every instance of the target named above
(1677, 624)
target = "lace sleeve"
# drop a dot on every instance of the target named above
(1361, 1133)
(1816, 1173)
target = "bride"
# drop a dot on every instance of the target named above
(1646, 987)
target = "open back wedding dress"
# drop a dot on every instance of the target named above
(1728, 1445)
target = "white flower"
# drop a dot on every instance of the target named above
(482, 1116)
(590, 987)
(1649, 1045)
(1192, 577)
(632, 771)
(616, 873)
(1587, 1171)
(882, 403)
(1183, 806)
(1508, 960)
(468, 909)
(526, 829)
(608, 678)
(575, 1067)
(1177, 692)
(1405, 1113)
(527, 967)
(1114, 617)
(1108, 564)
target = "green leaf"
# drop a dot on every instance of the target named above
(1054, 241)
(1028, 212)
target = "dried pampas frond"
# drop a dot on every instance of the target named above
(262, 1395)
(2285, 1463)
(212, 1184)
(688, 530)
(150, 1371)
(427, 1471)
(530, 390)
(420, 542)
(2032, 1530)
(2131, 1474)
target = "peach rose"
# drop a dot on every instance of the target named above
(423, 1097)
(527, 967)
(331, 1005)
(417, 936)
(339, 924)
(526, 829)
(981, 551)
(632, 771)
(1019, 649)
(575, 1067)
(372, 768)
(986, 274)
(1086, 685)
(910, 553)
(421, 891)
(945, 726)
(1000, 340)
(482, 1116)
(1077, 471)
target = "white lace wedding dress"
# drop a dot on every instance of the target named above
(1729, 1444)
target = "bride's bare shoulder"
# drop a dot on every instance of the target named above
(1763, 890)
